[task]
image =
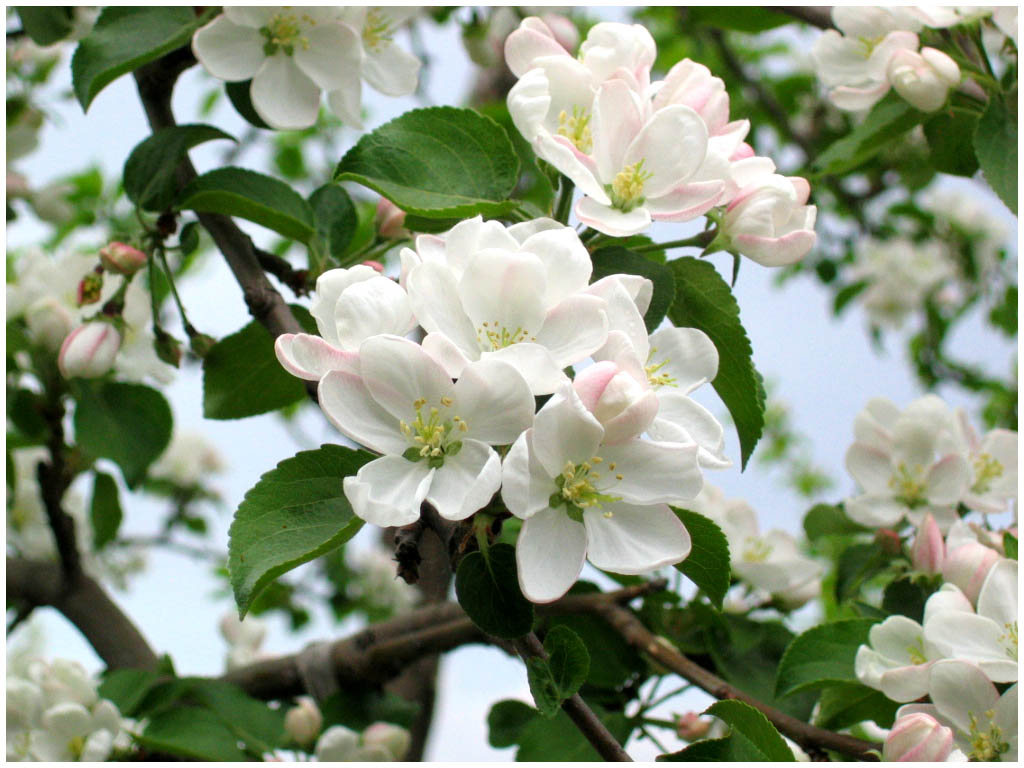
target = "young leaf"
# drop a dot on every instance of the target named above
(126, 37)
(950, 138)
(615, 259)
(506, 720)
(105, 510)
(253, 196)
(488, 591)
(995, 143)
(554, 680)
(885, 124)
(1010, 545)
(46, 24)
(703, 300)
(335, 217)
(558, 740)
(130, 424)
(829, 520)
(751, 738)
(149, 180)
(439, 162)
(821, 655)
(847, 704)
(296, 512)
(192, 732)
(707, 565)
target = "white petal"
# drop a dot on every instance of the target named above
(397, 373)
(283, 96)
(504, 289)
(349, 406)
(617, 120)
(370, 307)
(249, 16)
(536, 364)
(683, 420)
(947, 480)
(689, 356)
(495, 401)
(998, 597)
(634, 539)
(566, 262)
(392, 70)
(67, 721)
(312, 358)
(466, 482)
(975, 639)
(434, 295)
(957, 688)
(332, 57)
(525, 485)
(549, 554)
(574, 329)
(443, 349)
(612, 221)
(228, 51)
(870, 467)
(687, 201)
(564, 430)
(389, 490)
(347, 102)
(652, 473)
(578, 167)
(874, 511)
(673, 144)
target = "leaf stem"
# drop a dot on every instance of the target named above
(701, 240)
(189, 329)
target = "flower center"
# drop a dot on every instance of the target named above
(1009, 639)
(497, 336)
(986, 746)
(654, 378)
(376, 30)
(986, 469)
(433, 436)
(908, 485)
(75, 746)
(916, 652)
(576, 128)
(627, 188)
(756, 550)
(577, 489)
(283, 33)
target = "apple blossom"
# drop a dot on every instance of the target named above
(188, 460)
(582, 499)
(244, 638)
(89, 350)
(993, 466)
(923, 79)
(49, 322)
(303, 721)
(918, 737)
(337, 744)
(897, 659)
(968, 565)
(855, 67)
(929, 550)
(770, 221)
(435, 435)
(392, 738)
(617, 400)
(122, 258)
(899, 273)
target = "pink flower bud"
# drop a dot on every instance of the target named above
(390, 220)
(929, 550)
(89, 350)
(122, 258)
(391, 738)
(967, 566)
(49, 322)
(623, 405)
(563, 29)
(888, 540)
(924, 78)
(918, 737)
(374, 265)
(690, 726)
(90, 288)
(303, 721)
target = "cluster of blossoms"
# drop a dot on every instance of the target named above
(54, 714)
(379, 742)
(292, 54)
(642, 151)
(244, 638)
(771, 564)
(374, 582)
(190, 458)
(506, 312)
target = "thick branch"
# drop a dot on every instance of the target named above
(54, 478)
(819, 16)
(86, 605)
(804, 734)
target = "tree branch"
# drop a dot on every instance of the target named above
(819, 16)
(804, 734)
(86, 605)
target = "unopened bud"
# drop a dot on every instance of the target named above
(89, 350)
(888, 540)
(564, 30)
(967, 566)
(167, 348)
(690, 726)
(374, 265)
(303, 721)
(201, 344)
(392, 738)
(918, 737)
(923, 79)
(122, 258)
(337, 744)
(623, 405)
(90, 288)
(390, 220)
(49, 322)
(929, 550)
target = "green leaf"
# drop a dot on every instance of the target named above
(242, 377)
(149, 179)
(126, 37)
(704, 300)
(751, 738)
(437, 162)
(950, 138)
(46, 24)
(707, 565)
(1010, 545)
(821, 655)
(555, 679)
(336, 219)
(906, 596)
(253, 196)
(558, 740)
(885, 124)
(239, 95)
(192, 732)
(829, 520)
(995, 143)
(128, 687)
(847, 704)
(506, 721)
(105, 510)
(744, 18)
(613, 662)
(615, 259)
(1004, 314)
(848, 293)
(358, 709)
(130, 424)
(188, 239)
(296, 512)
(857, 564)
(488, 591)
(252, 721)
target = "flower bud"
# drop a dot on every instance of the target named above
(90, 288)
(770, 222)
(392, 738)
(89, 350)
(337, 744)
(122, 258)
(563, 29)
(303, 721)
(201, 344)
(376, 265)
(167, 347)
(924, 78)
(929, 549)
(888, 540)
(690, 726)
(918, 737)
(390, 220)
(49, 322)
(623, 405)
(967, 566)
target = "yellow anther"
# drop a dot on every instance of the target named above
(908, 485)
(627, 188)
(618, 477)
(447, 402)
(986, 469)
(376, 30)
(576, 129)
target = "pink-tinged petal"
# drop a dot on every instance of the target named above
(434, 296)
(949, 598)
(686, 201)
(619, 350)
(564, 430)
(616, 121)
(469, 237)
(398, 372)
(874, 511)
(392, 70)
(525, 485)
(566, 262)
(947, 480)
(574, 329)
(466, 482)
(628, 539)
(870, 467)
(228, 51)
(929, 550)
(312, 358)
(632, 421)
(283, 96)
(673, 144)
(590, 383)
(530, 42)
(958, 687)
(494, 401)
(332, 56)
(856, 99)
(905, 683)
(776, 251)
(975, 639)
(529, 102)
(689, 357)
(347, 102)
(347, 404)
(612, 221)
(370, 307)
(802, 188)
(442, 349)
(536, 364)
(549, 555)
(582, 170)
(329, 288)
(389, 490)
(504, 290)
(524, 230)
(998, 597)
(652, 473)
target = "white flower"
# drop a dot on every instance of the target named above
(516, 294)
(350, 306)
(770, 221)
(899, 273)
(993, 465)
(924, 78)
(244, 638)
(303, 721)
(436, 436)
(337, 744)
(581, 499)
(392, 738)
(897, 659)
(188, 460)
